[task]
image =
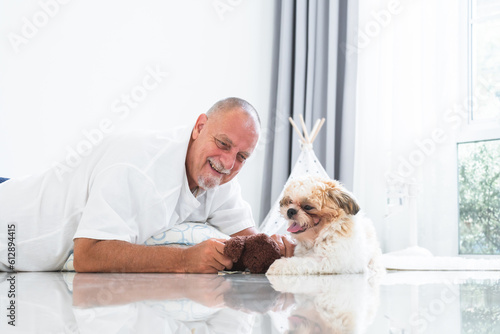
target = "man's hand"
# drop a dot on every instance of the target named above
(206, 257)
(285, 243)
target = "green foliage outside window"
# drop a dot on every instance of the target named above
(479, 197)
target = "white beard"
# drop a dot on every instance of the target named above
(209, 182)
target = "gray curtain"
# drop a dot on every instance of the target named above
(313, 78)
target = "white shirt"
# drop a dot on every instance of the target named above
(130, 187)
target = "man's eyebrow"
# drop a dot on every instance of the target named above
(230, 142)
(226, 139)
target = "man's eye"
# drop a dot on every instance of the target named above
(242, 158)
(220, 143)
(308, 207)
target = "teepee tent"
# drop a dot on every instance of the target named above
(307, 164)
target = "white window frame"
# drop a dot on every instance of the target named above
(474, 130)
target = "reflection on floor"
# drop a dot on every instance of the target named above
(398, 302)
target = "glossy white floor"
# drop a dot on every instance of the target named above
(399, 302)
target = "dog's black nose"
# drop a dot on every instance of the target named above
(291, 212)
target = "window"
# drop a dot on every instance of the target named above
(484, 61)
(428, 91)
(479, 197)
(479, 148)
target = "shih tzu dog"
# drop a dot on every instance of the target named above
(332, 238)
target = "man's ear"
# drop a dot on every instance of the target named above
(200, 123)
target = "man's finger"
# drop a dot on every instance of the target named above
(226, 265)
(281, 245)
(289, 246)
(286, 245)
(219, 245)
(221, 262)
(222, 259)
(276, 237)
(217, 266)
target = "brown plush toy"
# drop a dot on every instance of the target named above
(254, 252)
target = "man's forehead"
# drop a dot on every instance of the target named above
(236, 117)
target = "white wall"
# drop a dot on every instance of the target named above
(66, 65)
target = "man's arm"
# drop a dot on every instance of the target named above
(247, 231)
(119, 256)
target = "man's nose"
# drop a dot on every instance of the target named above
(228, 160)
(291, 212)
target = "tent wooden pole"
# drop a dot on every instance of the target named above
(319, 128)
(314, 129)
(306, 135)
(296, 129)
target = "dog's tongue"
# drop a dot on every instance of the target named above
(295, 227)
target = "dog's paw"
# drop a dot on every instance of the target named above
(277, 268)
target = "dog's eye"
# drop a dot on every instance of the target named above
(308, 207)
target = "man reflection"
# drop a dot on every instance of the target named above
(179, 302)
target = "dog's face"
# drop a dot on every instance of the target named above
(311, 203)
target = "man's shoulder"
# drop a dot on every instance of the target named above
(143, 143)
(152, 137)
(143, 149)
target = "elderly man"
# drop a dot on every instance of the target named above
(132, 188)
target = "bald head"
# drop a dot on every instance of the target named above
(232, 104)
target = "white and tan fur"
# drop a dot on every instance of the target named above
(332, 237)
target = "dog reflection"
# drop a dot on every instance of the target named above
(330, 304)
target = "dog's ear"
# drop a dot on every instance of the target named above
(286, 200)
(344, 199)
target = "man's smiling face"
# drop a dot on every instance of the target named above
(219, 146)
